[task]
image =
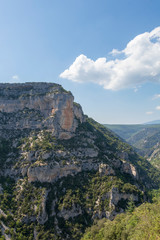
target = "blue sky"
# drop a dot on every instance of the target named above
(41, 40)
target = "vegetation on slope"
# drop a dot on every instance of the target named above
(141, 223)
(125, 131)
(144, 138)
(65, 208)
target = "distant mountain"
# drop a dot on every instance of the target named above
(125, 131)
(153, 122)
(145, 139)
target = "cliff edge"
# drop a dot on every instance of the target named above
(39, 105)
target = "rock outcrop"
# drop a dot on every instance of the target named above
(39, 105)
(60, 170)
(48, 173)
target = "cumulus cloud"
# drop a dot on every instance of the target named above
(140, 64)
(115, 52)
(158, 107)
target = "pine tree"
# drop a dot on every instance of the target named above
(130, 205)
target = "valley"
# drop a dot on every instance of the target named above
(144, 138)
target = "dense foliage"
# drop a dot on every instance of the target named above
(65, 208)
(141, 223)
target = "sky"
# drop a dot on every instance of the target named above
(106, 52)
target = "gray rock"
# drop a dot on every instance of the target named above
(39, 105)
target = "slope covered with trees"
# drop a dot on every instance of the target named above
(144, 138)
(141, 223)
(59, 169)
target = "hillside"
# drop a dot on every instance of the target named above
(144, 138)
(141, 223)
(125, 131)
(147, 143)
(153, 122)
(61, 170)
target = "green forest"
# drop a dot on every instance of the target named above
(137, 223)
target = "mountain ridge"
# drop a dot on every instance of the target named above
(152, 122)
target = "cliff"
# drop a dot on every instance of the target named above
(39, 106)
(60, 170)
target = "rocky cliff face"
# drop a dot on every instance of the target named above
(60, 170)
(39, 105)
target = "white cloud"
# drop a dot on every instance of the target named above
(140, 64)
(15, 77)
(115, 52)
(158, 107)
(149, 113)
(156, 96)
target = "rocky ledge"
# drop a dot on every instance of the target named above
(38, 106)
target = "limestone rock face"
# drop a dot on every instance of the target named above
(39, 105)
(59, 168)
(73, 212)
(130, 169)
(48, 173)
(42, 216)
(114, 197)
(105, 169)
